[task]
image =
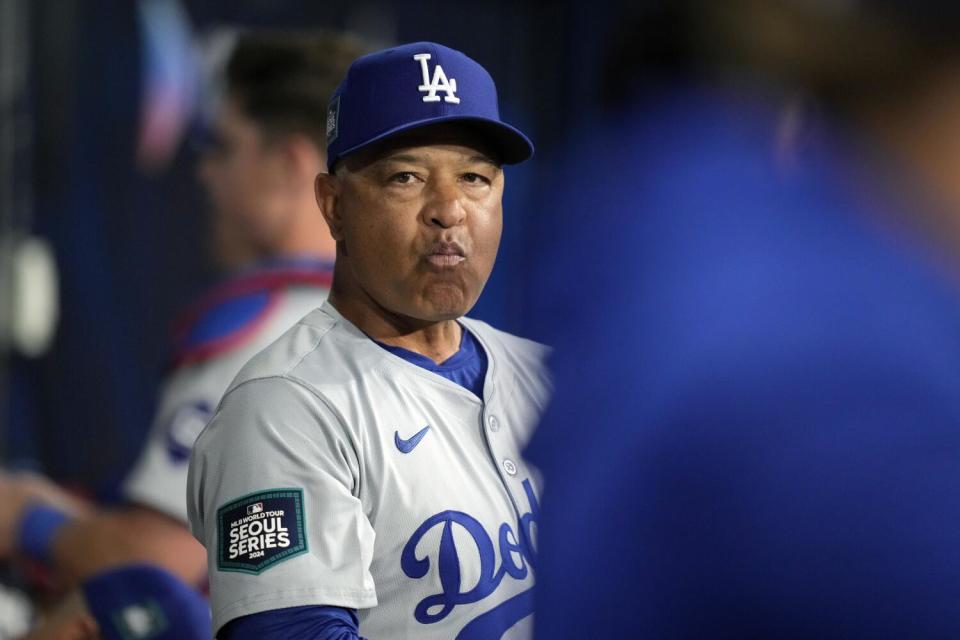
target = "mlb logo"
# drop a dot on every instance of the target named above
(256, 507)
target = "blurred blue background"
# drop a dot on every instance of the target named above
(119, 203)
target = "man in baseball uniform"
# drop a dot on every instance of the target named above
(363, 473)
(259, 170)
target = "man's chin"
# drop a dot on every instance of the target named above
(445, 303)
(435, 314)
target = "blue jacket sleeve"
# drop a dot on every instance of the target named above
(295, 623)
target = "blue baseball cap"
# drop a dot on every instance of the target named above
(144, 601)
(412, 86)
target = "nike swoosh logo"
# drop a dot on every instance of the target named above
(406, 446)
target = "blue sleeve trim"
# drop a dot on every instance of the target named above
(295, 623)
(38, 526)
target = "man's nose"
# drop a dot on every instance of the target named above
(445, 208)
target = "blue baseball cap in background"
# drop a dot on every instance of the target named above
(144, 601)
(412, 86)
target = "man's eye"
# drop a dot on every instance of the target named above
(475, 178)
(403, 177)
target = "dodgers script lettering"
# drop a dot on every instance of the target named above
(517, 557)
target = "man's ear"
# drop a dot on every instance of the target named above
(326, 187)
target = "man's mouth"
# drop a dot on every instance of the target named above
(446, 254)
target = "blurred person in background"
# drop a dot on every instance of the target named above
(267, 145)
(756, 430)
(132, 601)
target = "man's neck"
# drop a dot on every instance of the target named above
(435, 340)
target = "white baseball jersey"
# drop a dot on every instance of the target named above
(336, 473)
(239, 320)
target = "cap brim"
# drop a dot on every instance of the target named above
(511, 143)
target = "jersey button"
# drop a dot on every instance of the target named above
(509, 467)
(493, 423)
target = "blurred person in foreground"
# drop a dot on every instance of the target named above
(756, 431)
(268, 144)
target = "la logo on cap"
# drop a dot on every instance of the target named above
(439, 82)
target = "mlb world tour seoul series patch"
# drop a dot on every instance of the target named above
(259, 530)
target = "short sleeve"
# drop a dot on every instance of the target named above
(273, 495)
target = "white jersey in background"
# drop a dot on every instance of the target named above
(336, 473)
(218, 336)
